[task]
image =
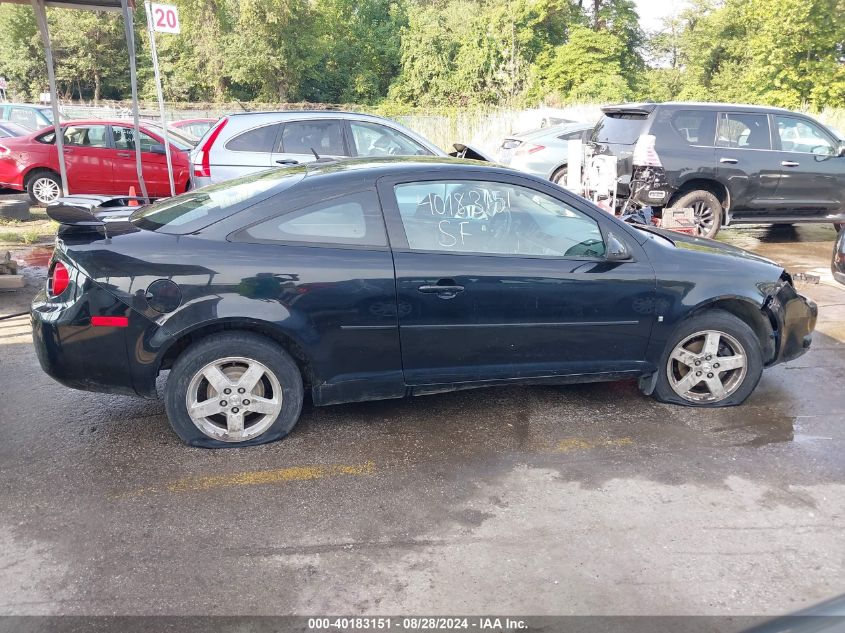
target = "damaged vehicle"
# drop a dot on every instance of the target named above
(730, 164)
(365, 279)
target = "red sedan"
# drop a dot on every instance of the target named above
(194, 127)
(99, 156)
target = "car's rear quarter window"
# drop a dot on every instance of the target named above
(197, 209)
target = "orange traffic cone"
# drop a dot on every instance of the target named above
(132, 195)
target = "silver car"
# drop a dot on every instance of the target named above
(543, 152)
(239, 144)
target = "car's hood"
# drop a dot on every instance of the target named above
(704, 245)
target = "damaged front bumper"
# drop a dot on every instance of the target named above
(793, 318)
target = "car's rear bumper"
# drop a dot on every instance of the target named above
(76, 353)
(795, 316)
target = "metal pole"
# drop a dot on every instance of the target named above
(160, 97)
(41, 18)
(129, 29)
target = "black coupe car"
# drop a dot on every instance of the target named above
(381, 278)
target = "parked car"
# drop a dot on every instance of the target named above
(8, 129)
(837, 264)
(32, 117)
(247, 142)
(195, 127)
(732, 164)
(543, 152)
(370, 278)
(99, 157)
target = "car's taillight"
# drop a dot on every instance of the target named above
(529, 149)
(202, 168)
(58, 280)
(644, 153)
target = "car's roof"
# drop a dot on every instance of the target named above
(376, 167)
(197, 120)
(552, 130)
(25, 105)
(701, 105)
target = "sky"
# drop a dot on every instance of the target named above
(652, 11)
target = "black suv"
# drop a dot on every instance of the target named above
(732, 164)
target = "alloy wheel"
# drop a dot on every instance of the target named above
(707, 366)
(45, 190)
(704, 217)
(234, 399)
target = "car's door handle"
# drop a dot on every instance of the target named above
(789, 163)
(730, 161)
(124, 155)
(287, 161)
(444, 291)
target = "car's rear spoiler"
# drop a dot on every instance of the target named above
(93, 210)
(629, 108)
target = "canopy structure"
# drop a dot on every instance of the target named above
(126, 6)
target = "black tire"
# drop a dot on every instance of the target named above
(708, 211)
(560, 175)
(837, 226)
(32, 181)
(725, 323)
(225, 345)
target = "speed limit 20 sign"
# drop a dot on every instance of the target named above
(165, 18)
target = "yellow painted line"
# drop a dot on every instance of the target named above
(571, 444)
(258, 477)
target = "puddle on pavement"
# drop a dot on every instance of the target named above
(38, 257)
(760, 427)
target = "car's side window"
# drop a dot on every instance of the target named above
(571, 136)
(742, 130)
(695, 127)
(260, 139)
(372, 139)
(353, 220)
(494, 218)
(85, 136)
(800, 135)
(324, 136)
(123, 139)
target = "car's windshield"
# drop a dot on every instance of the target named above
(176, 137)
(197, 209)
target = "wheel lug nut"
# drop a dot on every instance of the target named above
(698, 373)
(697, 363)
(227, 391)
(708, 357)
(234, 409)
(716, 365)
(710, 375)
(241, 390)
(222, 403)
(246, 402)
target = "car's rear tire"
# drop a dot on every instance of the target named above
(233, 389)
(693, 370)
(837, 226)
(707, 209)
(560, 176)
(43, 186)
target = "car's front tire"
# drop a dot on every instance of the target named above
(713, 359)
(44, 187)
(233, 389)
(707, 209)
(560, 176)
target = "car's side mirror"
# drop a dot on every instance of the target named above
(157, 148)
(616, 250)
